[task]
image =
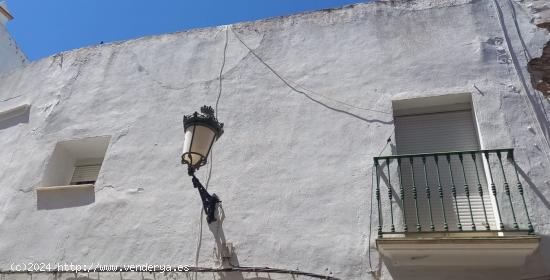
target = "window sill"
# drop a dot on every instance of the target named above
(67, 187)
(57, 197)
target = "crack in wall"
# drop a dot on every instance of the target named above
(169, 86)
(151, 77)
(10, 98)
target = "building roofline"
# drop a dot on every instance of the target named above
(362, 6)
(6, 13)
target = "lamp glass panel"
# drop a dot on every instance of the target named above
(197, 142)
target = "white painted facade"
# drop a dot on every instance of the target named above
(293, 166)
(11, 56)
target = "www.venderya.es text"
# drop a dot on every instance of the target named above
(70, 267)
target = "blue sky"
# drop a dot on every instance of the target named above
(42, 28)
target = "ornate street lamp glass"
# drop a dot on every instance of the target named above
(197, 144)
(201, 131)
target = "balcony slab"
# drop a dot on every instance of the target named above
(486, 249)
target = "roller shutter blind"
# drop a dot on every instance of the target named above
(85, 174)
(442, 132)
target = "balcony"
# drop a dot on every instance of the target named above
(452, 210)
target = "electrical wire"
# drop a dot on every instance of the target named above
(252, 269)
(221, 69)
(341, 102)
(210, 165)
(294, 88)
(303, 91)
(370, 217)
(216, 111)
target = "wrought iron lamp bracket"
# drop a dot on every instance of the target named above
(208, 201)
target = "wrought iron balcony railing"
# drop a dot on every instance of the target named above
(450, 192)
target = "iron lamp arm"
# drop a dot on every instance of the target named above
(208, 201)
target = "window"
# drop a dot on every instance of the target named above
(440, 124)
(76, 162)
(86, 172)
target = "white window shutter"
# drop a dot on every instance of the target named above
(85, 174)
(442, 132)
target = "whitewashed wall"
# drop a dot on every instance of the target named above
(292, 170)
(11, 56)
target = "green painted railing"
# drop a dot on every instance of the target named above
(450, 191)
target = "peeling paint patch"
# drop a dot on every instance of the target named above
(540, 71)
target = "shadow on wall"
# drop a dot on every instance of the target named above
(223, 250)
(533, 187)
(537, 265)
(226, 256)
(64, 197)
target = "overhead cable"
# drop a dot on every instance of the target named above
(294, 88)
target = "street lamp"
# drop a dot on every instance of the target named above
(201, 131)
